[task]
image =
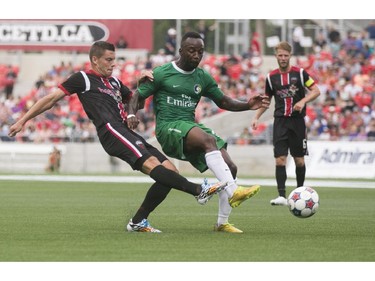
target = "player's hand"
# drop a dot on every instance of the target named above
(132, 122)
(254, 124)
(14, 129)
(299, 106)
(146, 75)
(259, 100)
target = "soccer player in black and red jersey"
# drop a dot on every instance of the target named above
(103, 98)
(292, 87)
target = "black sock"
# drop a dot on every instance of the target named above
(174, 180)
(281, 179)
(300, 175)
(155, 195)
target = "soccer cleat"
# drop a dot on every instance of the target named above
(279, 201)
(227, 227)
(243, 193)
(143, 226)
(209, 190)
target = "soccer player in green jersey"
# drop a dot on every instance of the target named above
(177, 88)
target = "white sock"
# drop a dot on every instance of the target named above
(224, 208)
(217, 165)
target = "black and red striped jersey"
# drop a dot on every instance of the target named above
(288, 88)
(99, 96)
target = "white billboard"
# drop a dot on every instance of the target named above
(336, 159)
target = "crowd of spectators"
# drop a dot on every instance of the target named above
(344, 70)
(345, 109)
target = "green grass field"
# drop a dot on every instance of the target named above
(75, 221)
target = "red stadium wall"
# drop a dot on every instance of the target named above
(73, 35)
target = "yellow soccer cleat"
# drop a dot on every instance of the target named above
(243, 193)
(227, 227)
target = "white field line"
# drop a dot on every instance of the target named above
(144, 179)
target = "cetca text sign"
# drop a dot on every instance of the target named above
(77, 33)
(72, 34)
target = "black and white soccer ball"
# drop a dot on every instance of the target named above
(303, 202)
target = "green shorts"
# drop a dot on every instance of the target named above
(171, 137)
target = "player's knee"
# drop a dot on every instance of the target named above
(299, 161)
(147, 164)
(169, 165)
(209, 143)
(280, 161)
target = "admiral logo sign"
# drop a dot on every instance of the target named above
(339, 159)
(58, 33)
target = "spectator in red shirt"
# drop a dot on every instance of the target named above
(10, 80)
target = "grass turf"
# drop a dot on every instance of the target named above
(75, 221)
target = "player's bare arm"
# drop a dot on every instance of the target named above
(135, 103)
(45, 103)
(256, 101)
(258, 114)
(314, 92)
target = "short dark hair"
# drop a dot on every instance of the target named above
(191, 34)
(99, 47)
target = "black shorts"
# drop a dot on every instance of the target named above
(289, 134)
(119, 141)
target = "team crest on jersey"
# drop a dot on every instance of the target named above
(197, 89)
(140, 144)
(293, 80)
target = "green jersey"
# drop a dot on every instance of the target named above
(176, 95)
(177, 92)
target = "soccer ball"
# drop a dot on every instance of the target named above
(303, 202)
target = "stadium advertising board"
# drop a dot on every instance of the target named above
(343, 159)
(73, 35)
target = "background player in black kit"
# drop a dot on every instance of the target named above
(103, 98)
(289, 86)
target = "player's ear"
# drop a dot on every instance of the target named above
(94, 60)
